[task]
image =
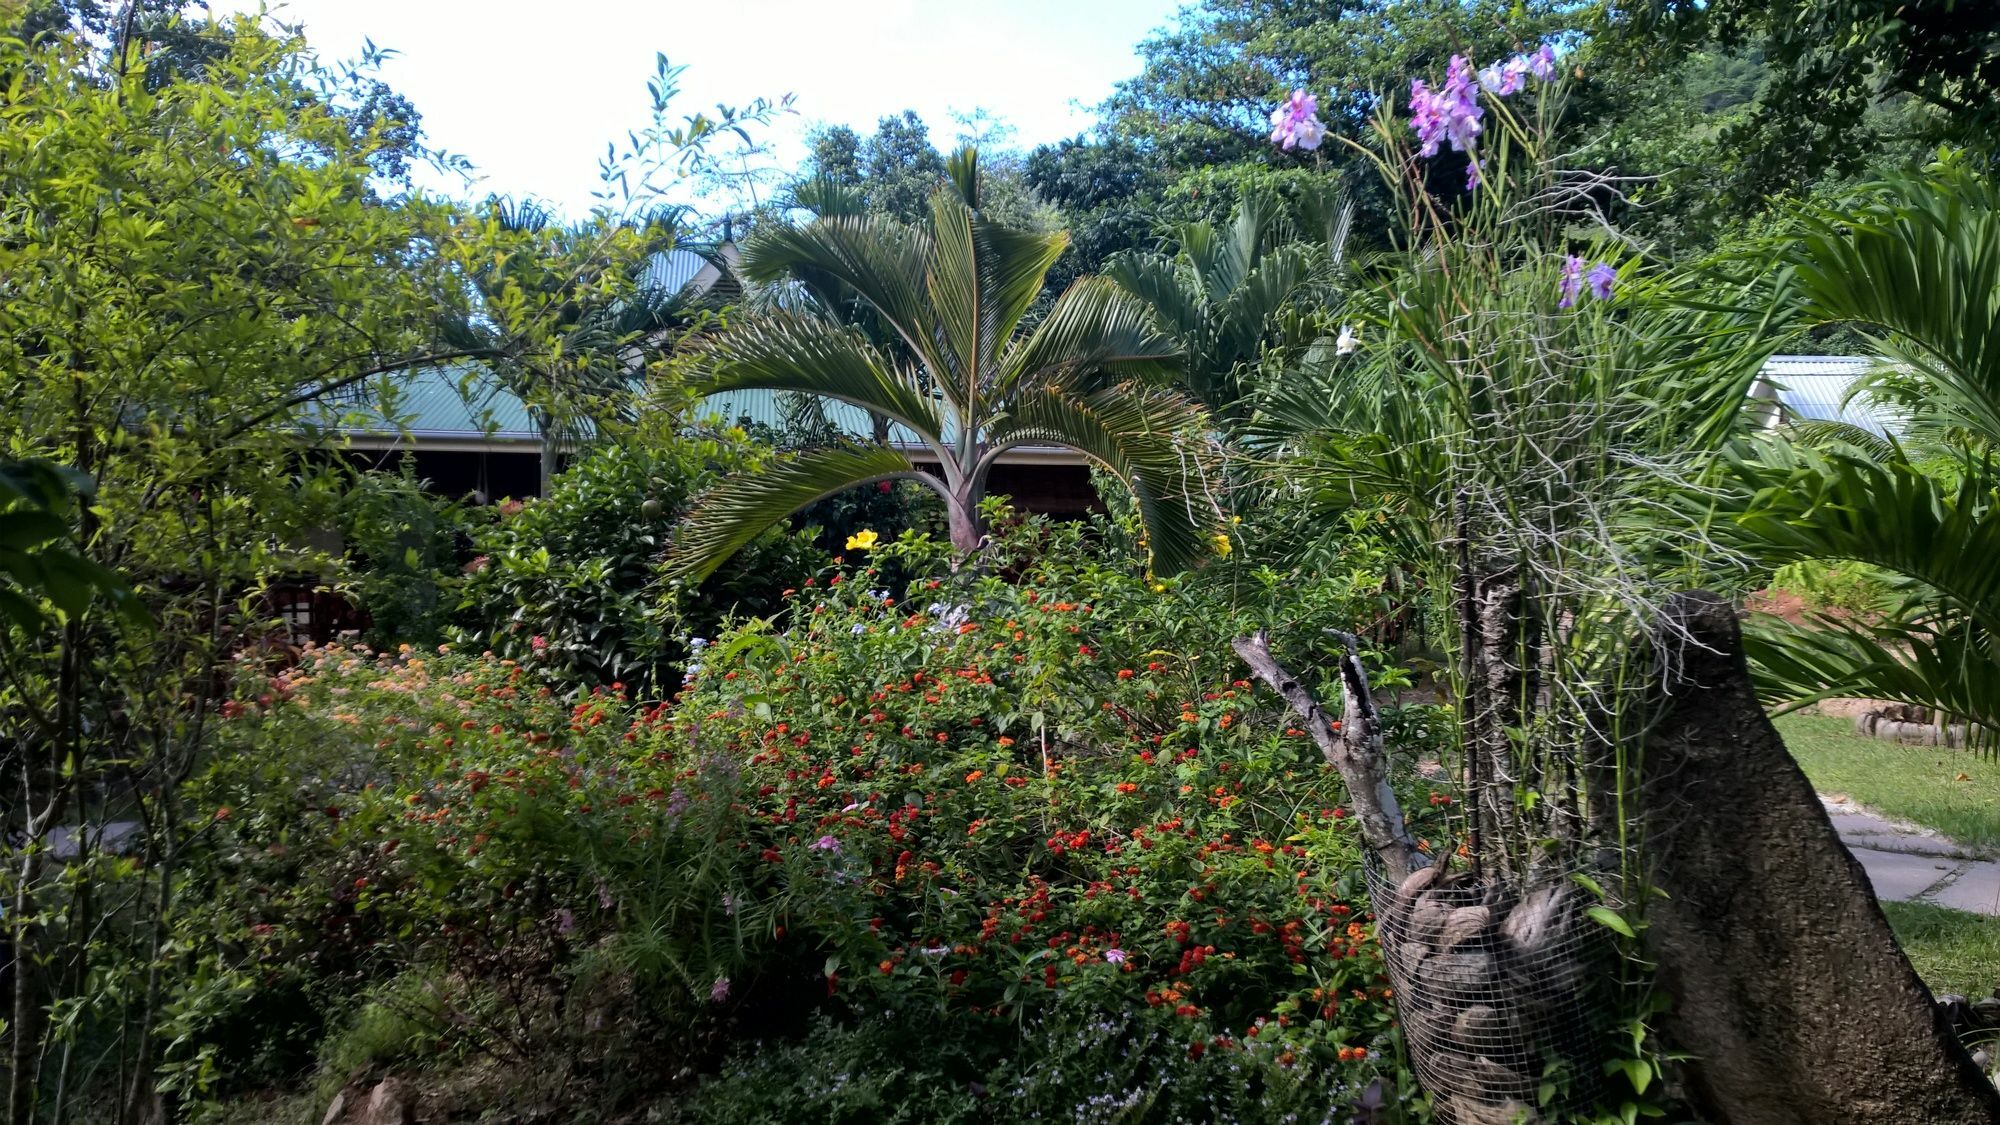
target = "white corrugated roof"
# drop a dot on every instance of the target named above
(1817, 388)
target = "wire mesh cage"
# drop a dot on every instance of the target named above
(1497, 990)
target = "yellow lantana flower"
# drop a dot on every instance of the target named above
(862, 540)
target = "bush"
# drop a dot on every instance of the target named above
(1842, 587)
(573, 579)
(1008, 808)
(404, 548)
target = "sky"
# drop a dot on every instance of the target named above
(531, 90)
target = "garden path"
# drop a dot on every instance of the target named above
(1908, 863)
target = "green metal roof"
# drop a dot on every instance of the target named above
(460, 403)
(456, 402)
(768, 408)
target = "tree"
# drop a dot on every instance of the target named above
(1222, 294)
(979, 383)
(900, 168)
(1203, 97)
(199, 266)
(1912, 263)
(584, 284)
(1830, 64)
(1108, 194)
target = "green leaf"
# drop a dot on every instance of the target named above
(1612, 920)
(26, 530)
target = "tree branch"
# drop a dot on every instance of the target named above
(1355, 749)
(305, 396)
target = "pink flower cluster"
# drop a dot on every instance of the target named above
(1449, 113)
(1452, 114)
(1296, 123)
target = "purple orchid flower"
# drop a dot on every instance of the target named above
(1601, 278)
(1461, 105)
(1450, 114)
(1503, 79)
(1572, 282)
(1296, 124)
(1542, 64)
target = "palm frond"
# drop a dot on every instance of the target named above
(982, 280)
(826, 197)
(1160, 283)
(1141, 435)
(1918, 261)
(791, 352)
(1950, 671)
(1094, 327)
(736, 511)
(1827, 433)
(880, 260)
(1785, 503)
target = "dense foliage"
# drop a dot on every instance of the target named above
(1006, 807)
(633, 800)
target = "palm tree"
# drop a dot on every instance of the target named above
(1915, 266)
(977, 383)
(1222, 295)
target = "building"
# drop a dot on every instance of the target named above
(1820, 388)
(469, 437)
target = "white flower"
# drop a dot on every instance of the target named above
(1348, 341)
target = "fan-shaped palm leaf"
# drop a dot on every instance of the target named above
(1917, 262)
(729, 517)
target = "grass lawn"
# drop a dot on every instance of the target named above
(1952, 950)
(1914, 783)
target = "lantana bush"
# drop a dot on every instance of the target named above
(1026, 804)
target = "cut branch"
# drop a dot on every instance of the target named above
(1353, 746)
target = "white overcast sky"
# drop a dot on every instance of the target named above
(530, 92)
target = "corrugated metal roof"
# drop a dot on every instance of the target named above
(458, 401)
(1816, 388)
(768, 408)
(673, 270)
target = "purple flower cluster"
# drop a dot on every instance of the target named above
(1451, 113)
(1296, 124)
(1502, 79)
(1600, 277)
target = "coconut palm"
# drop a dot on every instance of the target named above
(1915, 266)
(978, 382)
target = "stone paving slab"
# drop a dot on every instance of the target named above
(1902, 876)
(1976, 889)
(1862, 827)
(1907, 863)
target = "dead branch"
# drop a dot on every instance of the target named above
(1353, 746)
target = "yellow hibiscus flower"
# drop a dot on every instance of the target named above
(862, 540)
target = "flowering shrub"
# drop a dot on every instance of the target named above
(574, 578)
(1027, 792)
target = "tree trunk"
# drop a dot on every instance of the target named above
(966, 534)
(1353, 746)
(24, 1031)
(1788, 987)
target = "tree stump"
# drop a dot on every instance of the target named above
(1788, 987)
